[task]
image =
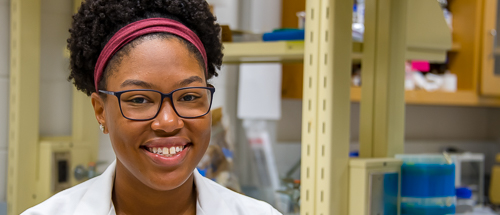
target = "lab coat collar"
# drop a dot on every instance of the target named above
(209, 200)
(97, 200)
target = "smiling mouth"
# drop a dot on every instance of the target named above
(166, 151)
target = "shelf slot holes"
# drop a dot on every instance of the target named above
(322, 153)
(312, 14)
(307, 172)
(308, 149)
(311, 60)
(309, 127)
(323, 127)
(307, 195)
(324, 82)
(327, 12)
(321, 196)
(312, 34)
(326, 59)
(326, 36)
(324, 105)
(322, 173)
(310, 83)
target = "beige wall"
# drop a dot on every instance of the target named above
(427, 129)
(55, 90)
(422, 122)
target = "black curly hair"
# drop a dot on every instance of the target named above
(98, 20)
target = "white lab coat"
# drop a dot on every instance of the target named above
(94, 197)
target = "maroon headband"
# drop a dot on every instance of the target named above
(142, 27)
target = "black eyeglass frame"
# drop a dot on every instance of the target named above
(163, 96)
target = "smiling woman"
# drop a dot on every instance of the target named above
(145, 65)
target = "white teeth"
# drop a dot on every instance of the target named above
(167, 151)
(172, 150)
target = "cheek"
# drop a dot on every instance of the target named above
(205, 127)
(123, 133)
(201, 130)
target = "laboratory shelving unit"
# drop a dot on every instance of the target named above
(293, 51)
(327, 94)
(390, 38)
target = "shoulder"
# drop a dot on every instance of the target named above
(238, 203)
(90, 197)
(63, 202)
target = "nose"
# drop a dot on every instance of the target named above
(167, 119)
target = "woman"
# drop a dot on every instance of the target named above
(145, 64)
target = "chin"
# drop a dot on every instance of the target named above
(168, 181)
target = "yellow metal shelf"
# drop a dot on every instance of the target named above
(251, 52)
(293, 51)
(459, 98)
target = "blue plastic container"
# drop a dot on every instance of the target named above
(286, 34)
(427, 185)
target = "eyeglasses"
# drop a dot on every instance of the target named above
(142, 105)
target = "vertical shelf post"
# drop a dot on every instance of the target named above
(382, 100)
(333, 107)
(309, 109)
(24, 104)
(326, 107)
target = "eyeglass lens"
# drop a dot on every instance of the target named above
(191, 102)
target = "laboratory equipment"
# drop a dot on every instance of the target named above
(465, 203)
(58, 162)
(257, 133)
(374, 186)
(469, 172)
(427, 184)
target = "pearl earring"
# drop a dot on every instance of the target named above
(101, 127)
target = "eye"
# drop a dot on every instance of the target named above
(138, 100)
(188, 98)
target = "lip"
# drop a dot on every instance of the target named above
(167, 162)
(166, 142)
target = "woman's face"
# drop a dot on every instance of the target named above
(163, 65)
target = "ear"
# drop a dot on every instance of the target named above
(100, 113)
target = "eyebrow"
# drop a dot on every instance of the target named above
(134, 82)
(185, 82)
(190, 80)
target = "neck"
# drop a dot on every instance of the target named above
(131, 196)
